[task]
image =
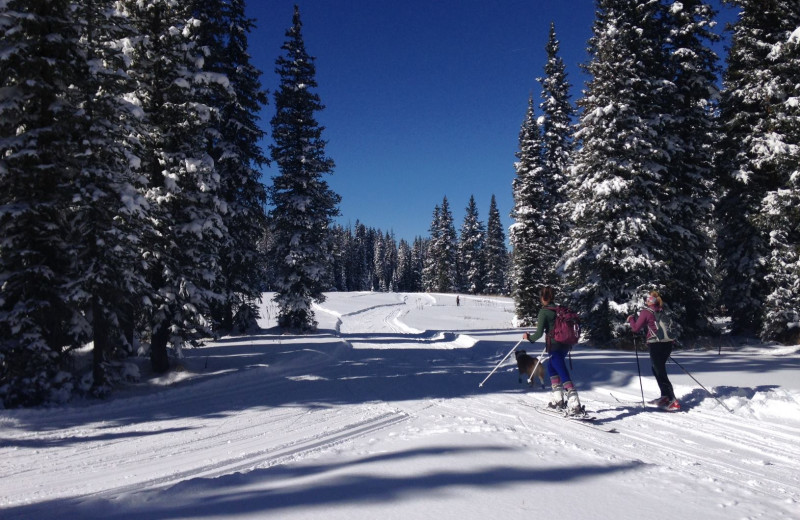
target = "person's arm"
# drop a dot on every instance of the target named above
(540, 327)
(641, 321)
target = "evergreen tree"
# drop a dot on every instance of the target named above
(109, 212)
(379, 282)
(620, 228)
(304, 205)
(533, 255)
(496, 253)
(41, 70)
(429, 273)
(471, 258)
(404, 275)
(182, 252)
(419, 257)
(234, 136)
(758, 169)
(686, 198)
(442, 251)
(556, 147)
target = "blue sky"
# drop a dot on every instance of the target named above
(424, 98)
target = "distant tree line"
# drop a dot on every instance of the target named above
(475, 261)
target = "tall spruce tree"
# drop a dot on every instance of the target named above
(443, 250)
(470, 249)
(557, 144)
(429, 270)
(530, 235)
(620, 230)
(41, 70)
(758, 169)
(686, 195)
(780, 207)
(109, 212)
(303, 204)
(497, 259)
(234, 137)
(182, 252)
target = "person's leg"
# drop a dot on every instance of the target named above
(659, 354)
(560, 366)
(556, 369)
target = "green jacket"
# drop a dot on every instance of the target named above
(545, 322)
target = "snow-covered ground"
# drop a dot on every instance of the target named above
(380, 416)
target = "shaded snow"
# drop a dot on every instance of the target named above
(379, 415)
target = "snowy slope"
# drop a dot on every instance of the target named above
(380, 416)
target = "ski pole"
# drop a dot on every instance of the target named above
(701, 385)
(639, 369)
(538, 362)
(500, 363)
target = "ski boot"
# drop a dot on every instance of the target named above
(574, 406)
(557, 395)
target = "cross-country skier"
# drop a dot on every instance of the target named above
(659, 350)
(557, 367)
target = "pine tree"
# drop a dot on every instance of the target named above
(429, 272)
(758, 169)
(687, 198)
(304, 205)
(404, 275)
(237, 96)
(471, 257)
(41, 69)
(182, 253)
(496, 253)
(557, 146)
(442, 255)
(109, 212)
(620, 230)
(419, 257)
(533, 257)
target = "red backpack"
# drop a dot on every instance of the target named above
(567, 328)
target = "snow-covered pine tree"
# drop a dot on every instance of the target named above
(758, 167)
(303, 204)
(109, 213)
(533, 256)
(557, 144)
(619, 232)
(419, 251)
(686, 199)
(390, 260)
(342, 242)
(362, 258)
(429, 268)
(378, 265)
(41, 69)
(440, 270)
(234, 137)
(470, 249)
(404, 274)
(540, 188)
(182, 254)
(496, 253)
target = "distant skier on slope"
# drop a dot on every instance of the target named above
(660, 345)
(560, 380)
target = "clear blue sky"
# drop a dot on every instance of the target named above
(424, 98)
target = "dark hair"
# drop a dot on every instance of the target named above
(546, 294)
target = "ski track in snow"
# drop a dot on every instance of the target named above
(134, 445)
